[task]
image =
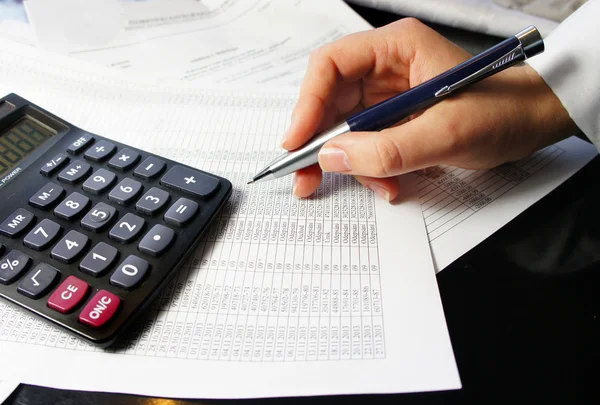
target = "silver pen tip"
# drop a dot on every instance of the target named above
(250, 182)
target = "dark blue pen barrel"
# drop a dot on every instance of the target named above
(395, 109)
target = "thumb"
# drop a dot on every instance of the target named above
(405, 148)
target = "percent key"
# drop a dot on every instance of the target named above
(12, 266)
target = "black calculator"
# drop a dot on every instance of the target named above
(92, 229)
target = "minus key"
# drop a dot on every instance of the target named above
(149, 168)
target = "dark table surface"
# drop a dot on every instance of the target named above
(522, 307)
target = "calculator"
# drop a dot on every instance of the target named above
(92, 229)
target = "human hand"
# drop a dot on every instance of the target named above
(502, 118)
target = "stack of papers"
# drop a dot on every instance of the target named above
(334, 294)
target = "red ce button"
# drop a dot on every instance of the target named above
(68, 295)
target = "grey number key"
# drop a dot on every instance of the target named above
(124, 159)
(127, 228)
(99, 217)
(72, 206)
(70, 247)
(12, 266)
(150, 168)
(99, 182)
(38, 281)
(157, 240)
(46, 196)
(130, 272)
(181, 212)
(152, 201)
(100, 151)
(16, 223)
(125, 191)
(42, 235)
(100, 258)
(75, 172)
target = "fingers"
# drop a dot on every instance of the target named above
(414, 145)
(306, 181)
(331, 80)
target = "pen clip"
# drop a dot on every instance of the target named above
(516, 54)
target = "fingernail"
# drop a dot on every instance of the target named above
(286, 135)
(294, 187)
(380, 191)
(334, 160)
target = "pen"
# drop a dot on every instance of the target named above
(509, 52)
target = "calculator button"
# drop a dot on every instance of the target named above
(69, 247)
(46, 196)
(71, 206)
(150, 168)
(190, 181)
(75, 172)
(53, 165)
(181, 212)
(38, 281)
(157, 240)
(125, 191)
(68, 295)
(124, 159)
(98, 217)
(81, 143)
(127, 228)
(99, 182)
(101, 308)
(130, 272)
(100, 151)
(152, 201)
(42, 235)
(12, 266)
(100, 258)
(16, 223)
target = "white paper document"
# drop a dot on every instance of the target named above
(6, 389)
(485, 16)
(330, 295)
(463, 207)
(265, 42)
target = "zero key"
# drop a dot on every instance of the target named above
(190, 181)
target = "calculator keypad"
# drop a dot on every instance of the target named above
(100, 151)
(70, 247)
(75, 172)
(47, 196)
(16, 223)
(38, 281)
(125, 192)
(100, 225)
(72, 206)
(99, 217)
(127, 229)
(99, 181)
(130, 272)
(42, 235)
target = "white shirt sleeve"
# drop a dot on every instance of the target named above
(570, 65)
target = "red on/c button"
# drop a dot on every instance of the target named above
(100, 309)
(68, 295)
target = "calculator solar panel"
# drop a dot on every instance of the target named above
(91, 229)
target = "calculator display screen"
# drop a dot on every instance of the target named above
(20, 140)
